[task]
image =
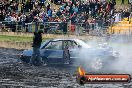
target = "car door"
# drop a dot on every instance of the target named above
(72, 49)
(53, 52)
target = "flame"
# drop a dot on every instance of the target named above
(81, 71)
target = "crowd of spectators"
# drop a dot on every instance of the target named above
(76, 11)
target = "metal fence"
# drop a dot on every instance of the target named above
(54, 27)
(27, 27)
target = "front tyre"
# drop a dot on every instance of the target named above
(97, 64)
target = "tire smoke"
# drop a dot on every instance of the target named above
(122, 64)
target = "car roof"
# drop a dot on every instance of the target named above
(78, 41)
(59, 39)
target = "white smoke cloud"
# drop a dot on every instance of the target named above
(124, 62)
(122, 65)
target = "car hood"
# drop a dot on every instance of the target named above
(27, 52)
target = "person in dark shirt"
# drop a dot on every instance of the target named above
(87, 8)
(2, 16)
(36, 20)
(36, 58)
(37, 39)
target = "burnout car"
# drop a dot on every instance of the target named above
(75, 51)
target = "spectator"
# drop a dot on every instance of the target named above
(71, 9)
(22, 19)
(87, 8)
(49, 12)
(36, 20)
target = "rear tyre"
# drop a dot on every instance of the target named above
(37, 61)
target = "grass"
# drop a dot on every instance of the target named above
(120, 6)
(17, 38)
(118, 2)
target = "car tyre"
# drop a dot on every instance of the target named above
(97, 64)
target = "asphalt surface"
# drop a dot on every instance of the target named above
(14, 74)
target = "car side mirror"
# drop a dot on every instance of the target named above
(79, 46)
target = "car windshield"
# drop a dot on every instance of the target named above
(83, 44)
(44, 43)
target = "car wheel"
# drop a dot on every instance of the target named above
(39, 62)
(97, 64)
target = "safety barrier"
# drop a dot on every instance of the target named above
(48, 27)
(55, 27)
(121, 29)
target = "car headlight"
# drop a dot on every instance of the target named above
(20, 55)
(114, 53)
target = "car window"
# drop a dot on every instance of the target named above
(57, 45)
(70, 44)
